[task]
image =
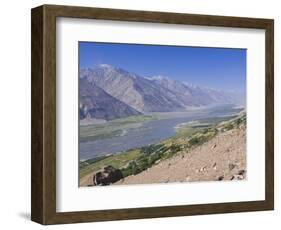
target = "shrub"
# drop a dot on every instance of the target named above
(175, 148)
(194, 141)
(131, 169)
(229, 127)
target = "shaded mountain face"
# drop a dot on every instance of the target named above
(142, 94)
(96, 103)
(137, 92)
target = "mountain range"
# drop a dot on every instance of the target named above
(96, 103)
(108, 92)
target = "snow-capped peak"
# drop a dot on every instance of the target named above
(105, 66)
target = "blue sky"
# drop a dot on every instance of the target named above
(219, 68)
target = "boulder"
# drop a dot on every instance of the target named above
(107, 176)
(240, 176)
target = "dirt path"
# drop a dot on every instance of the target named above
(222, 158)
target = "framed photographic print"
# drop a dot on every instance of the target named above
(141, 114)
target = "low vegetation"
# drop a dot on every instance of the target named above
(112, 128)
(133, 119)
(117, 160)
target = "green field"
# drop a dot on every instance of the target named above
(117, 161)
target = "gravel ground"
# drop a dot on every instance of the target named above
(222, 158)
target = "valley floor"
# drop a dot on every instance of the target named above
(221, 158)
(196, 153)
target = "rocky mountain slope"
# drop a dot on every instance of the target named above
(143, 94)
(96, 103)
(137, 92)
(193, 95)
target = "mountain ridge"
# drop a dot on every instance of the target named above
(96, 103)
(150, 94)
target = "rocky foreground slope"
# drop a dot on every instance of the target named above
(221, 158)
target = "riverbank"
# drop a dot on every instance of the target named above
(119, 135)
(189, 136)
(221, 158)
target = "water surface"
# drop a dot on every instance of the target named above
(149, 132)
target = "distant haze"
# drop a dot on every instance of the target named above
(217, 68)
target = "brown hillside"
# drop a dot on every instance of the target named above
(221, 158)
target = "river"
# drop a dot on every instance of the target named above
(149, 132)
